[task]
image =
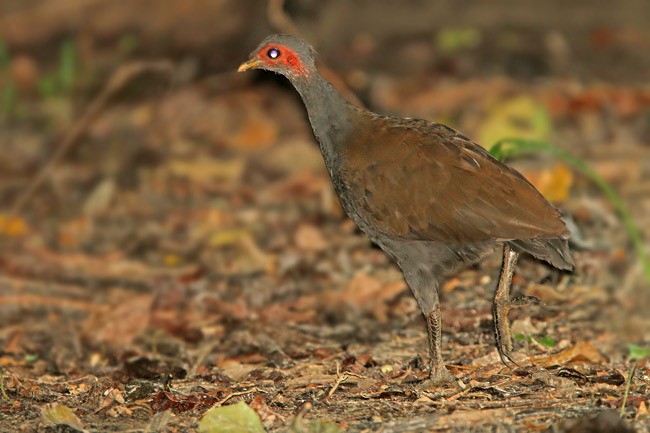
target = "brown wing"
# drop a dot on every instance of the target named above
(421, 180)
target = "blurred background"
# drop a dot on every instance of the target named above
(163, 218)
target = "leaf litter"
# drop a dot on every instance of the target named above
(207, 282)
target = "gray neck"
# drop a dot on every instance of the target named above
(329, 115)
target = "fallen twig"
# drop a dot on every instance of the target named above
(340, 378)
(33, 301)
(118, 80)
(235, 394)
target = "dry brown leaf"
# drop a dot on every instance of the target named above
(121, 325)
(235, 369)
(310, 238)
(111, 396)
(311, 380)
(257, 131)
(118, 411)
(386, 293)
(545, 293)
(111, 266)
(25, 74)
(228, 310)
(361, 289)
(626, 102)
(582, 351)
(467, 418)
(450, 285)
(368, 293)
(267, 415)
(534, 426)
(283, 158)
(300, 185)
(303, 310)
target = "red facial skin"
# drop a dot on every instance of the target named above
(287, 58)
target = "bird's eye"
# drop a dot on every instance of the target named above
(273, 53)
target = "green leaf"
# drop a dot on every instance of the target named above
(452, 39)
(5, 57)
(236, 418)
(546, 341)
(8, 99)
(520, 116)
(636, 352)
(67, 66)
(507, 147)
(47, 87)
(321, 427)
(127, 44)
(521, 337)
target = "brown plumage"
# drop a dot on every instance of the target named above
(463, 194)
(428, 196)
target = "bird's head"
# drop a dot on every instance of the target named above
(283, 54)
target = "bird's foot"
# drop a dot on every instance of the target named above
(438, 376)
(504, 334)
(505, 353)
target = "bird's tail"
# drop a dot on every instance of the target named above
(554, 251)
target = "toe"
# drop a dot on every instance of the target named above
(524, 300)
(438, 377)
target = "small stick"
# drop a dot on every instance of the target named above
(31, 301)
(340, 378)
(235, 394)
(118, 80)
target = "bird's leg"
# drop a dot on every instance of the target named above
(437, 371)
(502, 304)
(425, 288)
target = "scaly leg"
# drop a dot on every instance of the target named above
(438, 373)
(425, 288)
(502, 304)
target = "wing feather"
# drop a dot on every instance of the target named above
(424, 181)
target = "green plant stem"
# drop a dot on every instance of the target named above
(3, 392)
(501, 151)
(628, 384)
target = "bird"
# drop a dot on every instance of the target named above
(432, 199)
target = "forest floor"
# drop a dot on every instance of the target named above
(189, 251)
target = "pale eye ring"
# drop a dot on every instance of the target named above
(273, 53)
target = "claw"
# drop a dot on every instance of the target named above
(507, 358)
(524, 300)
(438, 376)
(501, 306)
